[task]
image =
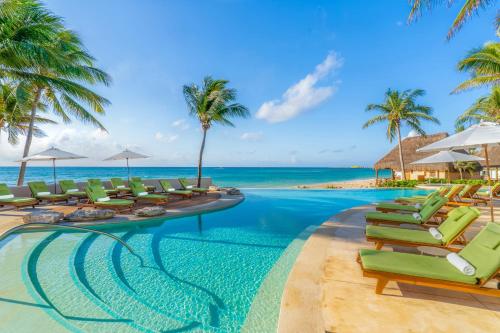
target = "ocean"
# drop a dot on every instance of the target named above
(243, 177)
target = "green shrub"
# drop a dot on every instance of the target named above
(469, 181)
(399, 183)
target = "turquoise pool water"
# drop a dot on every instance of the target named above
(200, 273)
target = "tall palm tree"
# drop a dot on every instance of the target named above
(468, 8)
(212, 103)
(58, 79)
(484, 66)
(399, 109)
(486, 108)
(14, 120)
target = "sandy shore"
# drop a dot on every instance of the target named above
(358, 183)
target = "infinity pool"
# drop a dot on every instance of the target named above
(215, 272)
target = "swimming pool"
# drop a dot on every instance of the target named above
(217, 272)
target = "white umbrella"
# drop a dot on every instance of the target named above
(482, 135)
(52, 154)
(126, 155)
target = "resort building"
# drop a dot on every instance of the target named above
(421, 172)
(494, 158)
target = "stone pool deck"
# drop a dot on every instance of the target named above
(177, 207)
(326, 291)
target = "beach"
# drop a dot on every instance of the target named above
(345, 184)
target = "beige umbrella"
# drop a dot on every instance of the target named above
(52, 154)
(126, 155)
(482, 135)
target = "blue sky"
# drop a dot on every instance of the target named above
(305, 69)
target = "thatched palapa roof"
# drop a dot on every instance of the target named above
(494, 156)
(410, 154)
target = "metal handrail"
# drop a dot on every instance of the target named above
(116, 238)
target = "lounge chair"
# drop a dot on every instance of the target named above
(8, 199)
(482, 253)
(448, 232)
(421, 198)
(485, 194)
(148, 187)
(140, 194)
(119, 185)
(99, 199)
(168, 188)
(41, 191)
(466, 196)
(97, 182)
(70, 188)
(422, 218)
(397, 207)
(188, 186)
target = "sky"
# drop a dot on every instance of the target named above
(306, 70)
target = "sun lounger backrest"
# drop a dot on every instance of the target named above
(165, 184)
(95, 192)
(454, 190)
(136, 179)
(458, 219)
(465, 190)
(4, 189)
(94, 182)
(443, 190)
(469, 191)
(66, 185)
(137, 188)
(184, 182)
(117, 182)
(483, 252)
(432, 207)
(495, 190)
(37, 187)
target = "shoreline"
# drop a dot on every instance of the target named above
(341, 184)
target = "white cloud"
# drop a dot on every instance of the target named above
(302, 96)
(181, 124)
(168, 138)
(252, 136)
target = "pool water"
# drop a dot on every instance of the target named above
(198, 273)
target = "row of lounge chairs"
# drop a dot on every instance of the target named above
(467, 267)
(95, 194)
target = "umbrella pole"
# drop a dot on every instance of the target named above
(128, 172)
(54, 174)
(489, 182)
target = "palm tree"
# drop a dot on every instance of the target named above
(59, 80)
(484, 66)
(399, 109)
(462, 167)
(212, 103)
(14, 120)
(468, 8)
(486, 108)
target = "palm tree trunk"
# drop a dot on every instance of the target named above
(403, 171)
(200, 159)
(29, 136)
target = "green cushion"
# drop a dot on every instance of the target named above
(483, 252)
(95, 192)
(199, 189)
(17, 200)
(4, 189)
(66, 185)
(36, 187)
(137, 187)
(395, 206)
(153, 196)
(117, 182)
(405, 218)
(458, 219)
(413, 265)
(52, 196)
(432, 206)
(185, 183)
(417, 236)
(454, 190)
(115, 202)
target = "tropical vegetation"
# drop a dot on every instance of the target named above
(463, 166)
(212, 103)
(49, 66)
(486, 108)
(468, 8)
(400, 109)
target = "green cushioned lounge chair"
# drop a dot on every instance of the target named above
(98, 182)
(119, 185)
(421, 198)
(149, 188)
(70, 188)
(467, 196)
(452, 230)
(168, 188)
(396, 207)
(426, 214)
(140, 194)
(41, 191)
(99, 199)
(8, 199)
(186, 185)
(483, 253)
(485, 194)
